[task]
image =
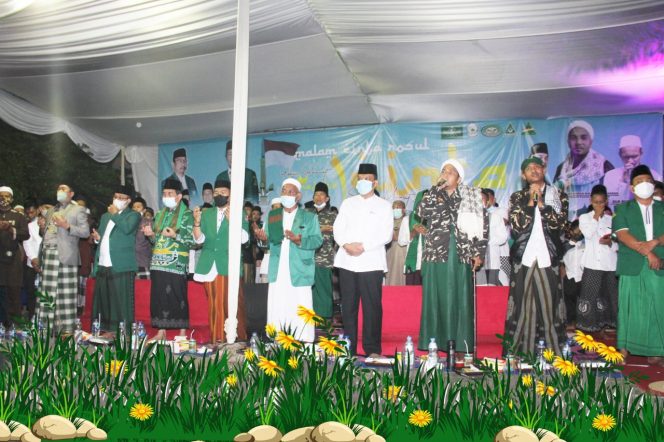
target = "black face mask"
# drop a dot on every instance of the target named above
(220, 200)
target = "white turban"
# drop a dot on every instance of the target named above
(7, 189)
(457, 165)
(275, 201)
(583, 125)
(630, 141)
(292, 181)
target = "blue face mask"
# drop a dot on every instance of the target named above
(364, 186)
(287, 201)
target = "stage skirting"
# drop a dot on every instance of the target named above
(401, 313)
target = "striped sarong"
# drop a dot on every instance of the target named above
(60, 284)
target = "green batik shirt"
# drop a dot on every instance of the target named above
(325, 253)
(172, 254)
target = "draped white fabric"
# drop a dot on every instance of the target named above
(104, 66)
(144, 160)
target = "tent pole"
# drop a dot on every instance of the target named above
(122, 165)
(240, 104)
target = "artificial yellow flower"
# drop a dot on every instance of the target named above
(542, 389)
(549, 354)
(330, 346)
(270, 330)
(309, 316)
(420, 418)
(292, 362)
(586, 342)
(526, 380)
(392, 393)
(510, 404)
(604, 422)
(269, 367)
(141, 412)
(231, 380)
(610, 354)
(114, 367)
(566, 368)
(249, 355)
(287, 341)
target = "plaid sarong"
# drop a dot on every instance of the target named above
(60, 283)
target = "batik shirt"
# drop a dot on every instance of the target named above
(172, 254)
(325, 253)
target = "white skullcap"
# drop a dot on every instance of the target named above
(292, 181)
(630, 141)
(18, 206)
(583, 125)
(7, 189)
(275, 201)
(457, 165)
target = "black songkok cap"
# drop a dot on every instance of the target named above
(641, 169)
(125, 190)
(207, 186)
(368, 168)
(322, 187)
(172, 184)
(540, 148)
(222, 183)
(179, 153)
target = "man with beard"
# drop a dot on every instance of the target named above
(115, 263)
(211, 228)
(13, 231)
(536, 308)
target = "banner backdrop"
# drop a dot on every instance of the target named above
(409, 156)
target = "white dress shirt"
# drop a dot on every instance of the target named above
(598, 256)
(573, 261)
(646, 214)
(498, 236)
(368, 221)
(31, 245)
(212, 274)
(105, 246)
(536, 249)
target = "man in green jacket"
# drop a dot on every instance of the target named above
(294, 235)
(639, 226)
(115, 262)
(211, 230)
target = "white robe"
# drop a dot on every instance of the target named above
(283, 298)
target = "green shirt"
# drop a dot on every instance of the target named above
(172, 254)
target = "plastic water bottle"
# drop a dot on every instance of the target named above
(141, 333)
(40, 327)
(12, 332)
(134, 336)
(567, 350)
(432, 358)
(409, 352)
(253, 344)
(541, 346)
(2, 332)
(122, 333)
(347, 339)
(96, 328)
(78, 332)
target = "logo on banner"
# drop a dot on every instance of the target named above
(528, 130)
(510, 130)
(447, 132)
(473, 130)
(491, 130)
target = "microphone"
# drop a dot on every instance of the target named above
(441, 182)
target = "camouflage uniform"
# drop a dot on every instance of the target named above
(322, 288)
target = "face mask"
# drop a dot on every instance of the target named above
(288, 201)
(44, 212)
(120, 204)
(364, 186)
(319, 206)
(169, 201)
(220, 200)
(644, 190)
(61, 196)
(657, 198)
(397, 213)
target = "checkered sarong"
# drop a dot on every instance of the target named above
(60, 283)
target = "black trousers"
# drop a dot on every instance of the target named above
(368, 287)
(29, 276)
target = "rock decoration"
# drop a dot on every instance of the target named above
(516, 433)
(51, 427)
(325, 432)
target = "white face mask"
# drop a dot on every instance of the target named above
(288, 201)
(319, 206)
(44, 212)
(364, 186)
(120, 204)
(61, 196)
(657, 198)
(169, 201)
(397, 213)
(644, 190)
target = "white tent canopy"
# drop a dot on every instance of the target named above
(104, 66)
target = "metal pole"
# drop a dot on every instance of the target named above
(240, 104)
